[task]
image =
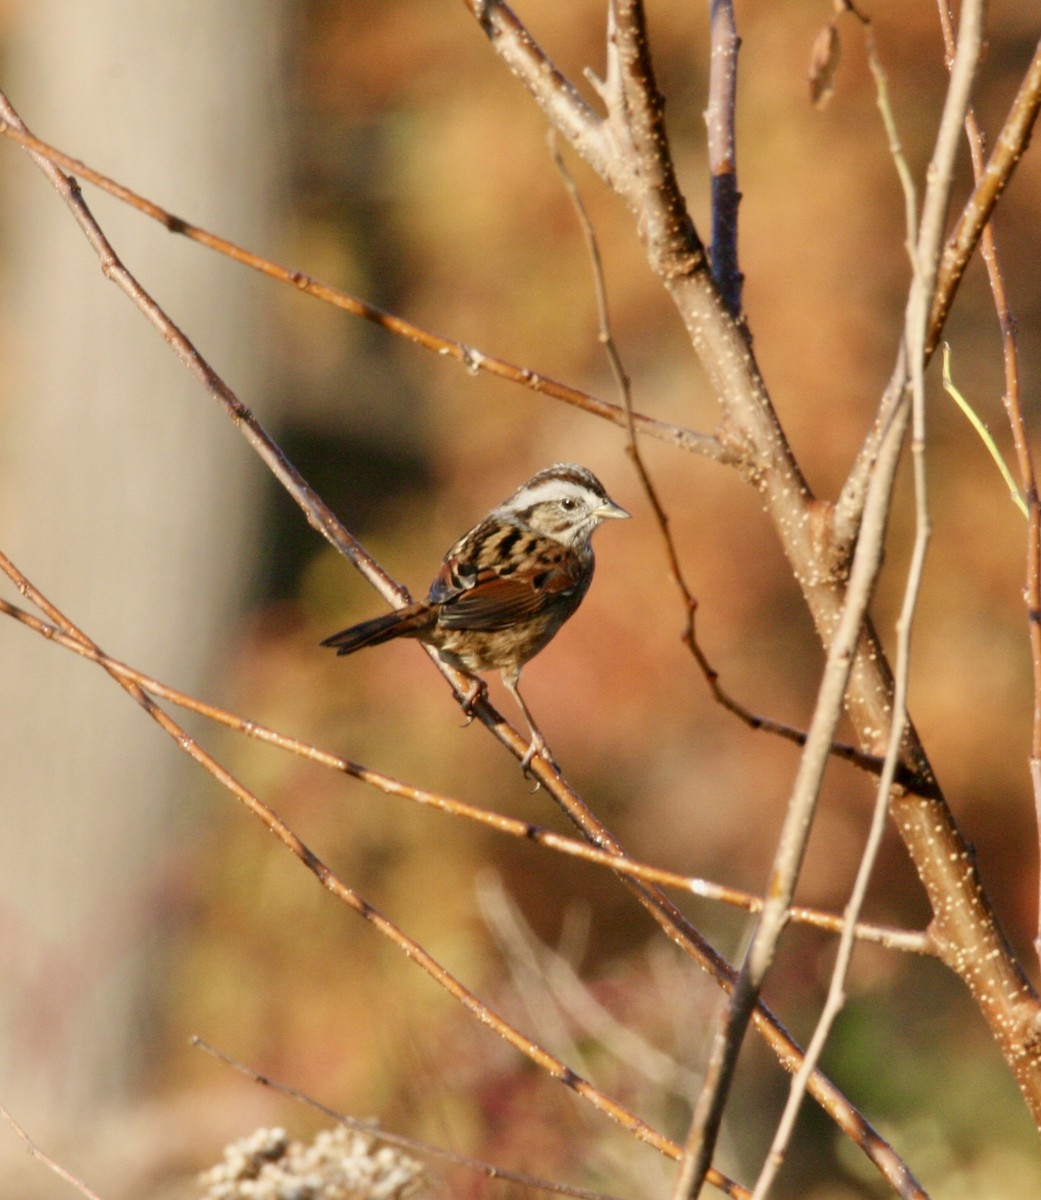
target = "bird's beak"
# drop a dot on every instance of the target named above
(610, 509)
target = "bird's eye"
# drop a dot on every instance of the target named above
(569, 504)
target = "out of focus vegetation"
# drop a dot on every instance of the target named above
(422, 182)
(425, 185)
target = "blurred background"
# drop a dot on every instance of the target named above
(385, 150)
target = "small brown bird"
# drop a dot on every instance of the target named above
(507, 586)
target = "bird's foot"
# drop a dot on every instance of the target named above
(469, 702)
(537, 745)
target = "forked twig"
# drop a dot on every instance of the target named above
(859, 758)
(1012, 397)
(904, 940)
(470, 357)
(416, 953)
(664, 912)
(867, 561)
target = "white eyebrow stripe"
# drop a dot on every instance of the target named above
(550, 489)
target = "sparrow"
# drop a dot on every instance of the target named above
(506, 587)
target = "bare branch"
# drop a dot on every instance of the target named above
(50, 1163)
(416, 953)
(551, 90)
(622, 382)
(1012, 398)
(722, 152)
(470, 357)
(991, 182)
(851, 754)
(867, 562)
(421, 1149)
(883, 935)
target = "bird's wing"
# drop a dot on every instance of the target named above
(496, 597)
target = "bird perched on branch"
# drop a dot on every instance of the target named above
(507, 586)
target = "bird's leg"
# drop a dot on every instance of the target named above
(478, 691)
(537, 745)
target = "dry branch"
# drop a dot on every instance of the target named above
(661, 909)
(750, 437)
(973, 944)
(470, 357)
(904, 940)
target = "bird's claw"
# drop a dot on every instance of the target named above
(537, 746)
(469, 702)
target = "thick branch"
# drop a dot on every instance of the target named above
(973, 944)
(961, 244)
(526, 59)
(1009, 148)
(659, 906)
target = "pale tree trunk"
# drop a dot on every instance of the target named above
(129, 497)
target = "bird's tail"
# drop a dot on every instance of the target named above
(410, 621)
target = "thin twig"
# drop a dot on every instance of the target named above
(903, 940)
(623, 384)
(544, 973)
(850, 505)
(377, 1132)
(470, 357)
(867, 762)
(872, 763)
(1009, 147)
(50, 1163)
(415, 952)
(923, 272)
(982, 432)
(866, 565)
(722, 152)
(1012, 399)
